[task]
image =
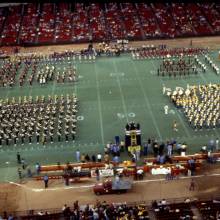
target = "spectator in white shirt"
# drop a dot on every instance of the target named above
(99, 157)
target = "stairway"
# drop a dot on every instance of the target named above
(3, 24)
(38, 22)
(207, 20)
(21, 22)
(140, 22)
(154, 12)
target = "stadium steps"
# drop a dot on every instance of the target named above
(104, 23)
(21, 22)
(55, 22)
(177, 32)
(39, 9)
(193, 28)
(107, 28)
(90, 17)
(72, 24)
(87, 9)
(55, 8)
(3, 24)
(168, 9)
(140, 22)
(120, 7)
(207, 20)
(154, 12)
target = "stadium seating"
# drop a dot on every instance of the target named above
(12, 25)
(209, 209)
(2, 19)
(97, 23)
(165, 20)
(80, 23)
(41, 23)
(46, 27)
(131, 21)
(183, 26)
(212, 16)
(148, 20)
(173, 211)
(63, 23)
(198, 20)
(114, 23)
(29, 23)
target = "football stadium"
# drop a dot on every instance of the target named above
(109, 111)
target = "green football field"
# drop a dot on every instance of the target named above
(111, 92)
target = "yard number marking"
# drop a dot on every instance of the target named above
(117, 74)
(172, 112)
(153, 72)
(80, 118)
(121, 115)
(131, 114)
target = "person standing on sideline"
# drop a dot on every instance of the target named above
(145, 148)
(46, 179)
(78, 156)
(23, 163)
(99, 157)
(192, 185)
(18, 158)
(93, 158)
(166, 108)
(20, 174)
(175, 126)
(97, 174)
(37, 167)
(169, 149)
(217, 144)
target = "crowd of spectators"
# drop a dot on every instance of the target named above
(163, 209)
(105, 210)
(78, 22)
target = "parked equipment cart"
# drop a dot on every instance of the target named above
(112, 187)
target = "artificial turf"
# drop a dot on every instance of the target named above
(111, 92)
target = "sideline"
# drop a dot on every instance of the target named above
(92, 185)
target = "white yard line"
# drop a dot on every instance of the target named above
(121, 93)
(75, 83)
(182, 122)
(147, 102)
(99, 105)
(53, 88)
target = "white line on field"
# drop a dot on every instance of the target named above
(99, 104)
(147, 102)
(180, 118)
(122, 95)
